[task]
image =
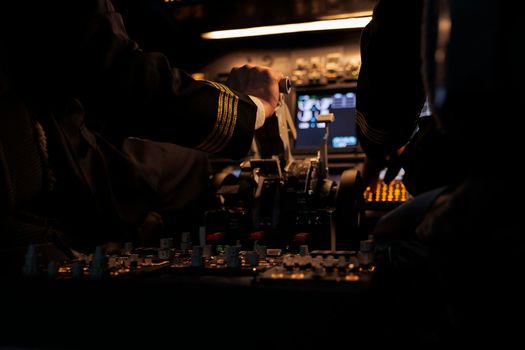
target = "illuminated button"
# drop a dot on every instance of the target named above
(352, 277)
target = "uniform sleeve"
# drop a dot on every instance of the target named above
(81, 49)
(390, 93)
(155, 101)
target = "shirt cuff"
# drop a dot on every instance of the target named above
(259, 122)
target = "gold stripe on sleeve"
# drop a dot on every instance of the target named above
(374, 135)
(231, 126)
(221, 134)
(226, 120)
(234, 120)
(220, 107)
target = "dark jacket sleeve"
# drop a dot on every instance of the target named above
(81, 49)
(390, 93)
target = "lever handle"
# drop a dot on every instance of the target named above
(285, 85)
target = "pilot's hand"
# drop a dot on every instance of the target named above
(257, 81)
(370, 171)
(372, 168)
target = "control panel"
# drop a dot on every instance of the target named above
(265, 266)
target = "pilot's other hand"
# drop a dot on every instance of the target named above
(261, 82)
(370, 171)
(373, 166)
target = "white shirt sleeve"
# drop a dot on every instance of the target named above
(259, 122)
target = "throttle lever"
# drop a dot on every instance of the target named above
(285, 85)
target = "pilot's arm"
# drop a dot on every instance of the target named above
(390, 92)
(82, 47)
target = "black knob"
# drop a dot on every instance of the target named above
(285, 85)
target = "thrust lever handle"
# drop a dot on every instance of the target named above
(285, 85)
